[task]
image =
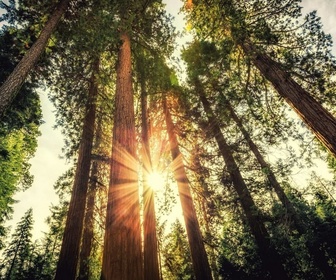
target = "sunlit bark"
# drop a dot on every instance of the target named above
(317, 118)
(198, 254)
(122, 257)
(151, 262)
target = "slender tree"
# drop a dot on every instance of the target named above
(271, 259)
(87, 246)
(319, 257)
(68, 260)
(17, 254)
(151, 261)
(88, 232)
(198, 254)
(12, 85)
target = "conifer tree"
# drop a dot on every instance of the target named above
(13, 83)
(17, 255)
(198, 254)
(69, 255)
(244, 27)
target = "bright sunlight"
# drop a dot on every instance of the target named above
(156, 180)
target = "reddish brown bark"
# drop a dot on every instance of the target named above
(151, 261)
(68, 259)
(12, 85)
(317, 118)
(318, 256)
(269, 256)
(122, 257)
(88, 233)
(198, 254)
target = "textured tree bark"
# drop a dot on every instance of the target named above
(88, 234)
(318, 256)
(205, 209)
(198, 254)
(264, 165)
(68, 259)
(151, 261)
(317, 118)
(122, 257)
(269, 256)
(12, 85)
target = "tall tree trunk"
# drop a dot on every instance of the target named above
(317, 118)
(198, 254)
(68, 260)
(318, 256)
(122, 257)
(265, 167)
(269, 256)
(12, 85)
(202, 200)
(88, 233)
(151, 261)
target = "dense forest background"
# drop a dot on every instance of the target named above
(222, 168)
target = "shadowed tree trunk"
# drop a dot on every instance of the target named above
(269, 256)
(68, 260)
(317, 118)
(151, 261)
(88, 232)
(12, 85)
(122, 257)
(198, 254)
(203, 200)
(318, 256)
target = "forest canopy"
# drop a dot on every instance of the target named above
(211, 159)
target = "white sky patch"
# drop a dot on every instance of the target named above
(46, 167)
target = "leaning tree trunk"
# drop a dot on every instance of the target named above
(122, 257)
(151, 261)
(264, 166)
(269, 256)
(12, 85)
(317, 118)
(68, 259)
(198, 254)
(318, 256)
(203, 200)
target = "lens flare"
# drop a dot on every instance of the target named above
(156, 181)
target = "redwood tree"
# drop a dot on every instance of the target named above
(242, 28)
(314, 115)
(316, 252)
(12, 85)
(198, 254)
(151, 261)
(122, 257)
(68, 260)
(270, 258)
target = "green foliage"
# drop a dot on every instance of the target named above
(176, 253)
(16, 256)
(18, 131)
